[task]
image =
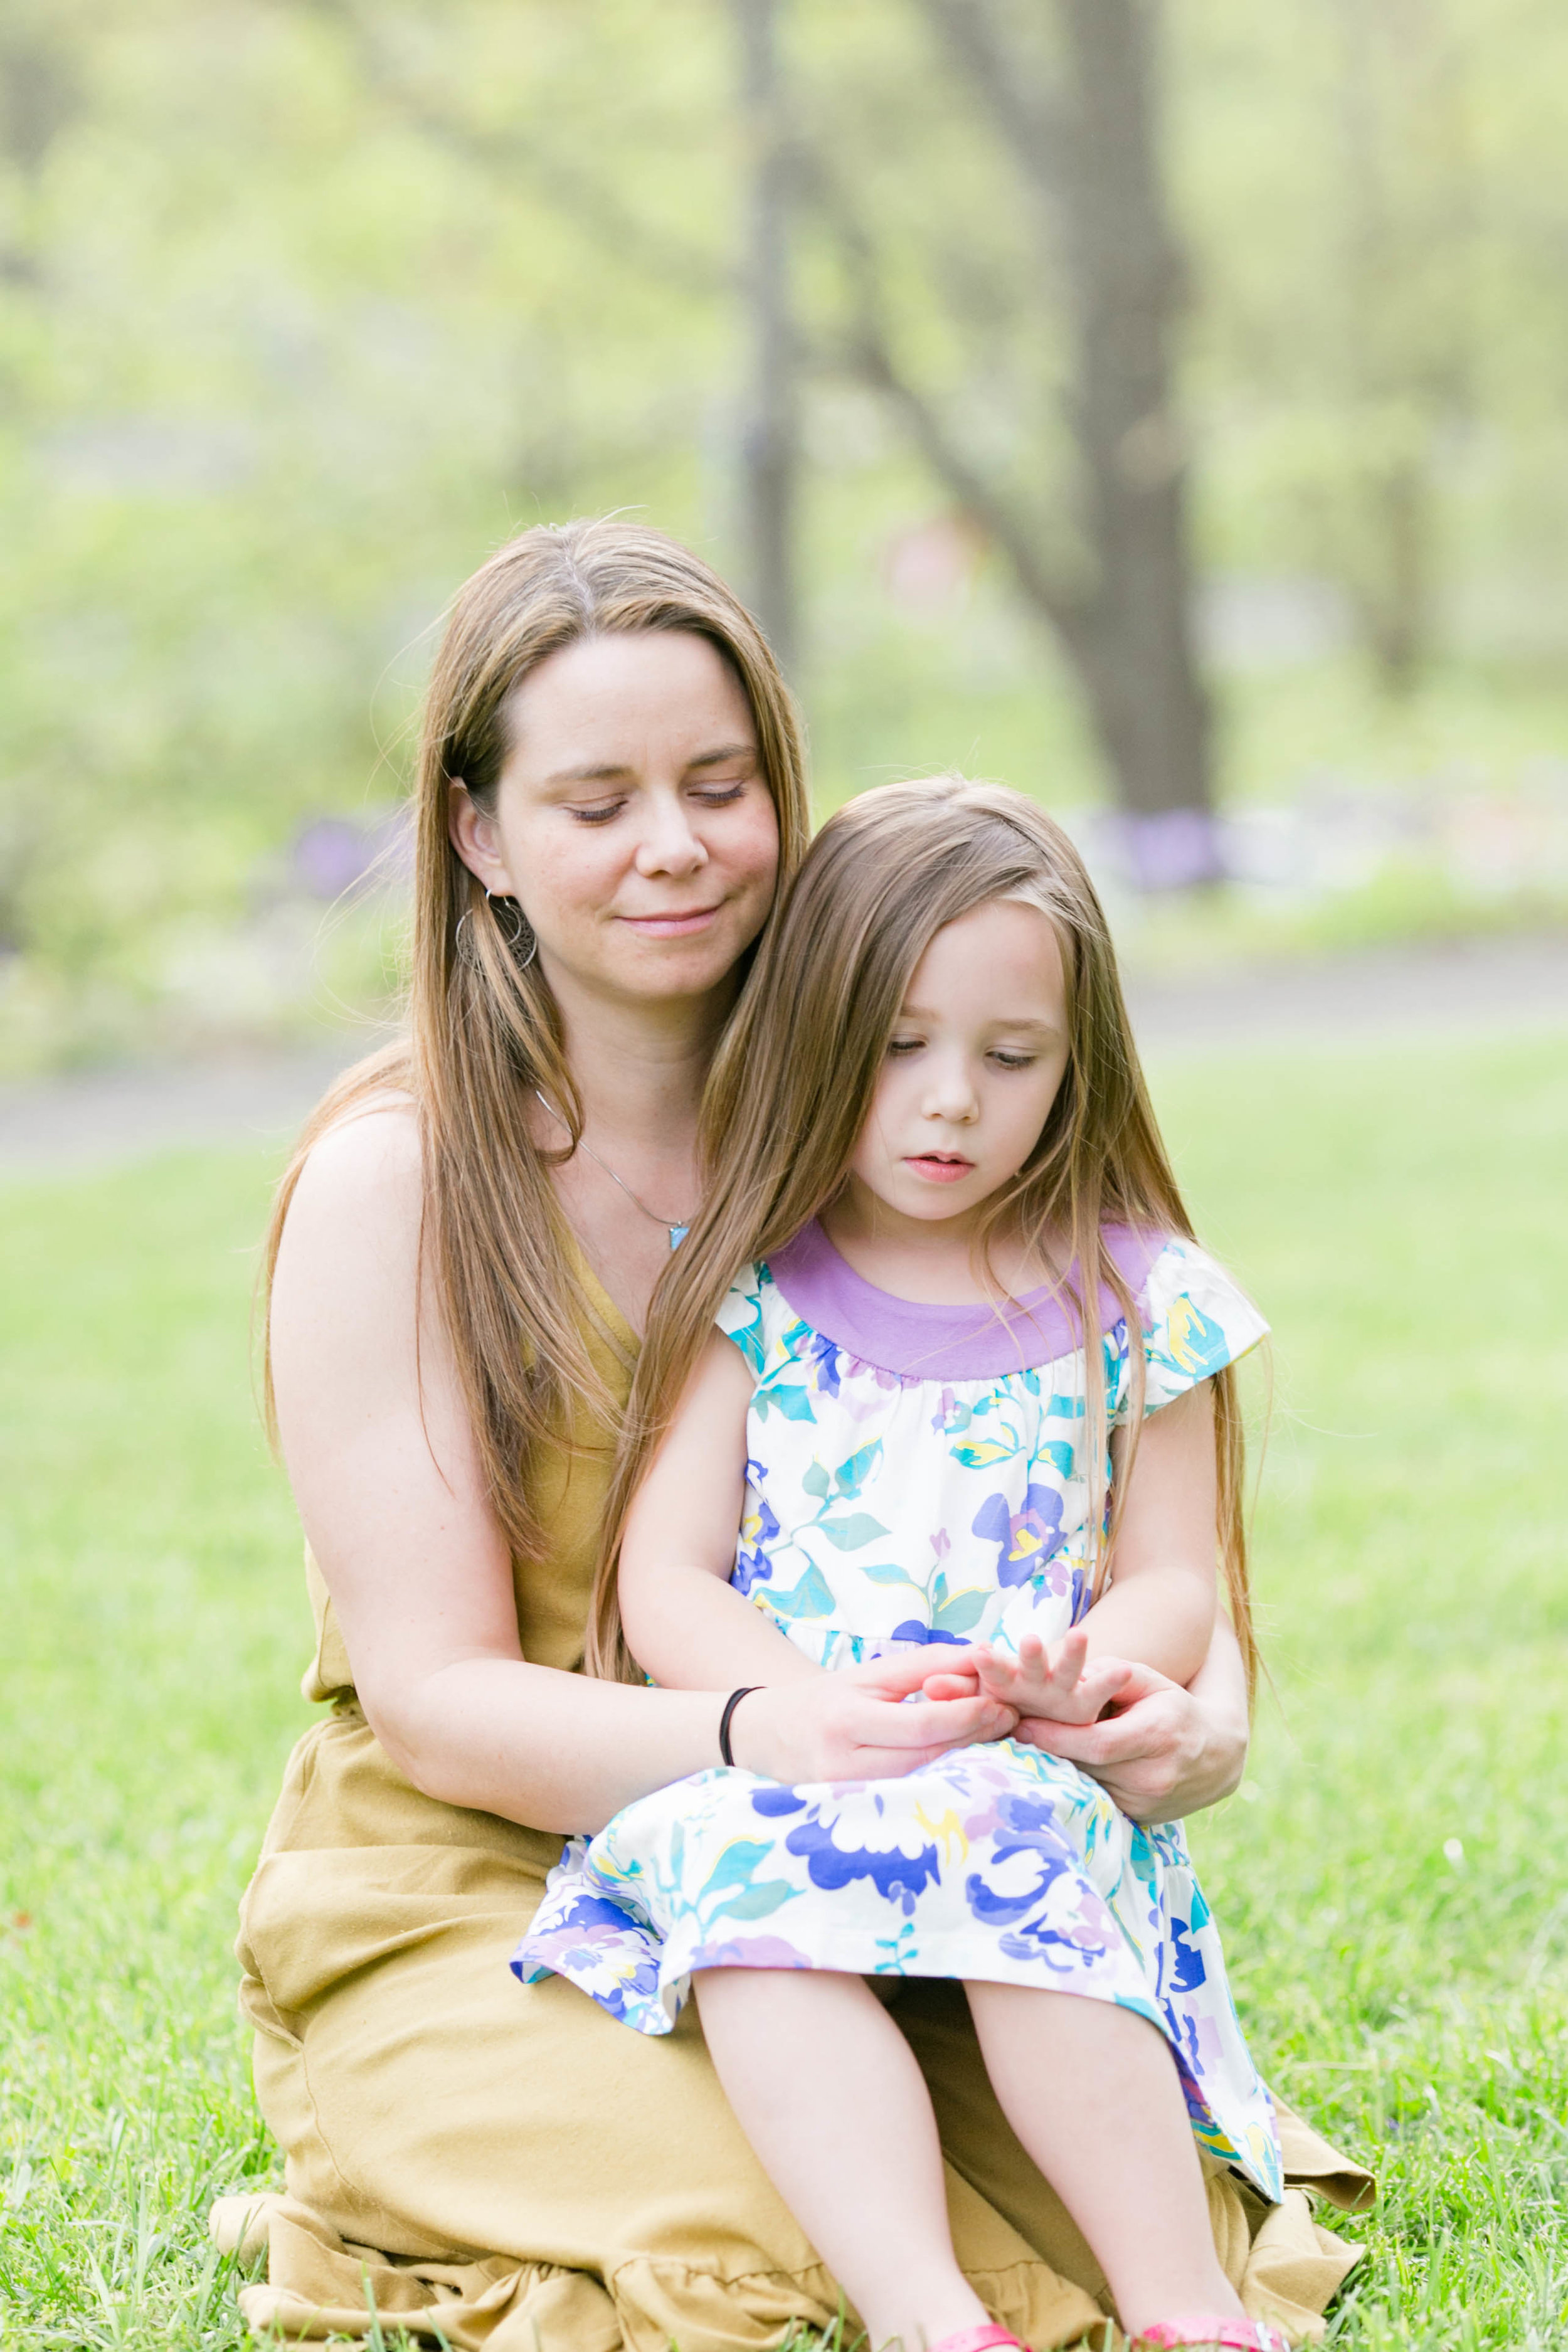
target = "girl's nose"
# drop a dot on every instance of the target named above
(668, 844)
(950, 1096)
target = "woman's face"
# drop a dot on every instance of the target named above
(632, 823)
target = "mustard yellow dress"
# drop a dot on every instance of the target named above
(505, 2166)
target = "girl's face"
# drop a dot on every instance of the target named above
(973, 1067)
(632, 823)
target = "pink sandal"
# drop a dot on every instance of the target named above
(1204, 2328)
(979, 2340)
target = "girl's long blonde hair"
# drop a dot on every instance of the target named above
(484, 1027)
(791, 1088)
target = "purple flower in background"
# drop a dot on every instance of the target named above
(330, 854)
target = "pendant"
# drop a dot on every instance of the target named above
(677, 1235)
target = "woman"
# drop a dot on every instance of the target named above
(610, 782)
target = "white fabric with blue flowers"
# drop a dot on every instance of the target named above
(916, 1476)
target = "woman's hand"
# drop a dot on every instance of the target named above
(855, 1726)
(1164, 1751)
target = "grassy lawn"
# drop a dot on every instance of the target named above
(1396, 1929)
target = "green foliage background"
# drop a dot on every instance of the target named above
(305, 305)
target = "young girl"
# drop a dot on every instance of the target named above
(939, 1167)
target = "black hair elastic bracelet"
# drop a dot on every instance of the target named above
(730, 1704)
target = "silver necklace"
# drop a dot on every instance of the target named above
(678, 1229)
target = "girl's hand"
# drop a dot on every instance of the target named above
(1163, 1752)
(1052, 1683)
(854, 1726)
(1056, 1683)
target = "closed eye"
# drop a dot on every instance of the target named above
(1004, 1060)
(600, 814)
(898, 1047)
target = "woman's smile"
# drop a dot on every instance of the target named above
(678, 924)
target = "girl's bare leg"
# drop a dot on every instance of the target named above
(1092, 2092)
(829, 2093)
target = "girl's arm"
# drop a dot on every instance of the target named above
(1159, 1610)
(688, 1627)
(381, 1457)
(685, 1623)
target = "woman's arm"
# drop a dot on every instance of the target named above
(391, 1494)
(1165, 1752)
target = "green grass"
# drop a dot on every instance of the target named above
(1395, 1914)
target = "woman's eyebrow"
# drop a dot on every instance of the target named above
(725, 752)
(588, 775)
(612, 770)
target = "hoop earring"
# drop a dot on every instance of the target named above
(463, 947)
(512, 943)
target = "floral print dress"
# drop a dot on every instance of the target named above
(916, 1475)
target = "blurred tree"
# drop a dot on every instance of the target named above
(1407, 198)
(1078, 116)
(1379, 355)
(770, 429)
(305, 304)
(282, 355)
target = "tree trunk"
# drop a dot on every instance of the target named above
(1134, 644)
(1397, 607)
(770, 461)
(1089, 156)
(1391, 571)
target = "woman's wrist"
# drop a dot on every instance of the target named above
(1205, 1760)
(727, 1719)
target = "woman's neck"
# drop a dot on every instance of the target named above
(640, 1070)
(640, 1067)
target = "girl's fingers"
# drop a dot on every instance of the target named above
(951, 1685)
(1106, 1678)
(997, 1675)
(904, 1671)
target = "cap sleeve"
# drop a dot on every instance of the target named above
(1197, 1320)
(741, 1317)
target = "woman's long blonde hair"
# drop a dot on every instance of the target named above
(791, 1087)
(484, 1028)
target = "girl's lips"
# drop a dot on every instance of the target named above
(671, 927)
(939, 1171)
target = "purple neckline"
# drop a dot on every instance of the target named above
(922, 1341)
